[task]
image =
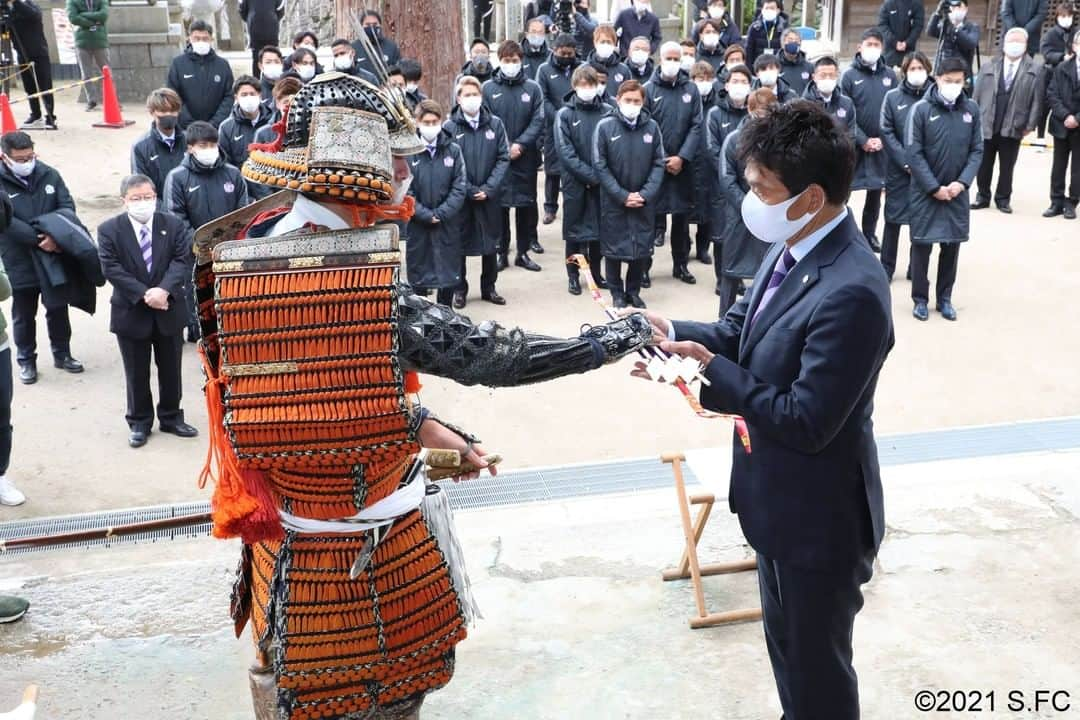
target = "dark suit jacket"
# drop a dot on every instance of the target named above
(122, 263)
(804, 376)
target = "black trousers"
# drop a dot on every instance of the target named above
(680, 237)
(444, 296)
(871, 211)
(1063, 148)
(1007, 149)
(634, 271)
(38, 79)
(6, 393)
(551, 192)
(890, 244)
(482, 15)
(168, 352)
(24, 307)
(728, 287)
(703, 237)
(808, 618)
(591, 251)
(946, 271)
(489, 273)
(525, 221)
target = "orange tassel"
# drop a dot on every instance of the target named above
(412, 383)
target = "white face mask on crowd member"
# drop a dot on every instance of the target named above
(769, 77)
(738, 91)
(141, 203)
(271, 70)
(686, 63)
(769, 223)
(629, 110)
(1065, 21)
(1014, 50)
(870, 54)
(642, 7)
(411, 87)
(430, 133)
(957, 15)
(308, 45)
(704, 87)
(604, 50)
(306, 72)
(21, 169)
(710, 40)
(826, 86)
(249, 103)
(586, 93)
(207, 157)
(769, 15)
(471, 105)
(716, 12)
(344, 62)
(639, 57)
(950, 91)
(200, 47)
(510, 69)
(916, 77)
(670, 68)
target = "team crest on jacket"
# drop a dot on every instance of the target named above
(806, 76)
(647, 137)
(886, 81)
(967, 117)
(448, 161)
(618, 77)
(841, 112)
(49, 190)
(525, 97)
(228, 187)
(686, 98)
(217, 78)
(490, 134)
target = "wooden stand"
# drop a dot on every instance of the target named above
(688, 566)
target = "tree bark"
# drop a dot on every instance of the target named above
(425, 30)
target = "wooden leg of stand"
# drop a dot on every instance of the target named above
(725, 618)
(688, 531)
(682, 570)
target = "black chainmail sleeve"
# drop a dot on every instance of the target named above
(435, 340)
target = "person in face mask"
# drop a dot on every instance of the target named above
(959, 36)
(901, 23)
(271, 65)
(555, 81)
(1055, 45)
(765, 35)
(718, 14)
(709, 48)
(866, 82)
(704, 79)
(345, 61)
(823, 90)
(202, 79)
(304, 63)
(413, 73)
(202, 189)
(945, 148)
(689, 55)
(373, 28)
(628, 155)
(605, 55)
(238, 131)
(675, 105)
(639, 61)
(34, 189)
(263, 21)
(536, 48)
(894, 113)
(1064, 97)
(767, 72)
(146, 257)
(799, 358)
(163, 147)
(1009, 92)
(440, 185)
(638, 21)
(795, 69)
(479, 65)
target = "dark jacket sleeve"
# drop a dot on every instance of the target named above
(600, 161)
(1008, 18)
(22, 232)
(1051, 55)
(656, 176)
(846, 83)
(885, 26)
(138, 161)
(179, 270)
(495, 180)
(713, 144)
(173, 82)
(576, 165)
(175, 202)
(533, 131)
(975, 150)
(123, 281)
(1034, 25)
(729, 175)
(845, 342)
(933, 28)
(918, 17)
(1055, 93)
(720, 337)
(967, 37)
(690, 144)
(225, 106)
(894, 146)
(421, 213)
(453, 203)
(1039, 102)
(655, 36)
(921, 174)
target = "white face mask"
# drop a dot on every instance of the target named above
(604, 50)
(308, 46)
(704, 87)
(956, 17)
(738, 91)
(510, 70)
(343, 62)
(916, 78)
(710, 40)
(1013, 50)
(686, 63)
(537, 41)
(200, 48)
(271, 71)
(629, 110)
(768, 78)
(870, 55)
(769, 223)
(206, 157)
(716, 13)
(21, 169)
(429, 133)
(306, 72)
(950, 91)
(1065, 21)
(826, 86)
(769, 15)
(249, 103)
(586, 94)
(639, 57)
(471, 104)
(141, 210)
(670, 68)
(411, 87)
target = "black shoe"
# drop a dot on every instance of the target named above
(50, 122)
(137, 438)
(1005, 208)
(501, 262)
(601, 283)
(459, 299)
(907, 275)
(66, 362)
(703, 256)
(680, 272)
(493, 297)
(179, 430)
(646, 281)
(524, 261)
(1053, 211)
(874, 244)
(549, 217)
(618, 300)
(1069, 212)
(658, 239)
(573, 286)
(536, 247)
(34, 122)
(921, 312)
(980, 203)
(90, 106)
(947, 310)
(636, 301)
(28, 373)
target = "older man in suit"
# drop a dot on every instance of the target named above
(146, 256)
(798, 358)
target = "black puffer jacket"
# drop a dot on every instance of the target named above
(722, 120)
(675, 105)
(796, 71)
(198, 195)
(899, 103)
(866, 85)
(486, 152)
(434, 250)
(575, 127)
(151, 156)
(238, 131)
(518, 102)
(204, 83)
(554, 82)
(42, 192)
(741, 252)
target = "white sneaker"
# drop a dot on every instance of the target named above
(9, 494)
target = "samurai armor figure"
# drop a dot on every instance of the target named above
(312, 345)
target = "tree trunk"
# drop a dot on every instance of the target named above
(425, 30)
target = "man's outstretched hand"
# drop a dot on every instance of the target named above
(684, 348)
(660, 324)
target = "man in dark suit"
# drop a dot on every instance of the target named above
(146, 256)
(798, 357)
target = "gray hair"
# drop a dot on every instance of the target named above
(132, 181)
(1017, 30)
(670, 46)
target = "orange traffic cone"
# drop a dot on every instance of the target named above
(113, 118)
(7, 119)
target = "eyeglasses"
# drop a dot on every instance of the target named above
(141, 198)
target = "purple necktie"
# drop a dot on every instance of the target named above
(780, 271)
(147, 247)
